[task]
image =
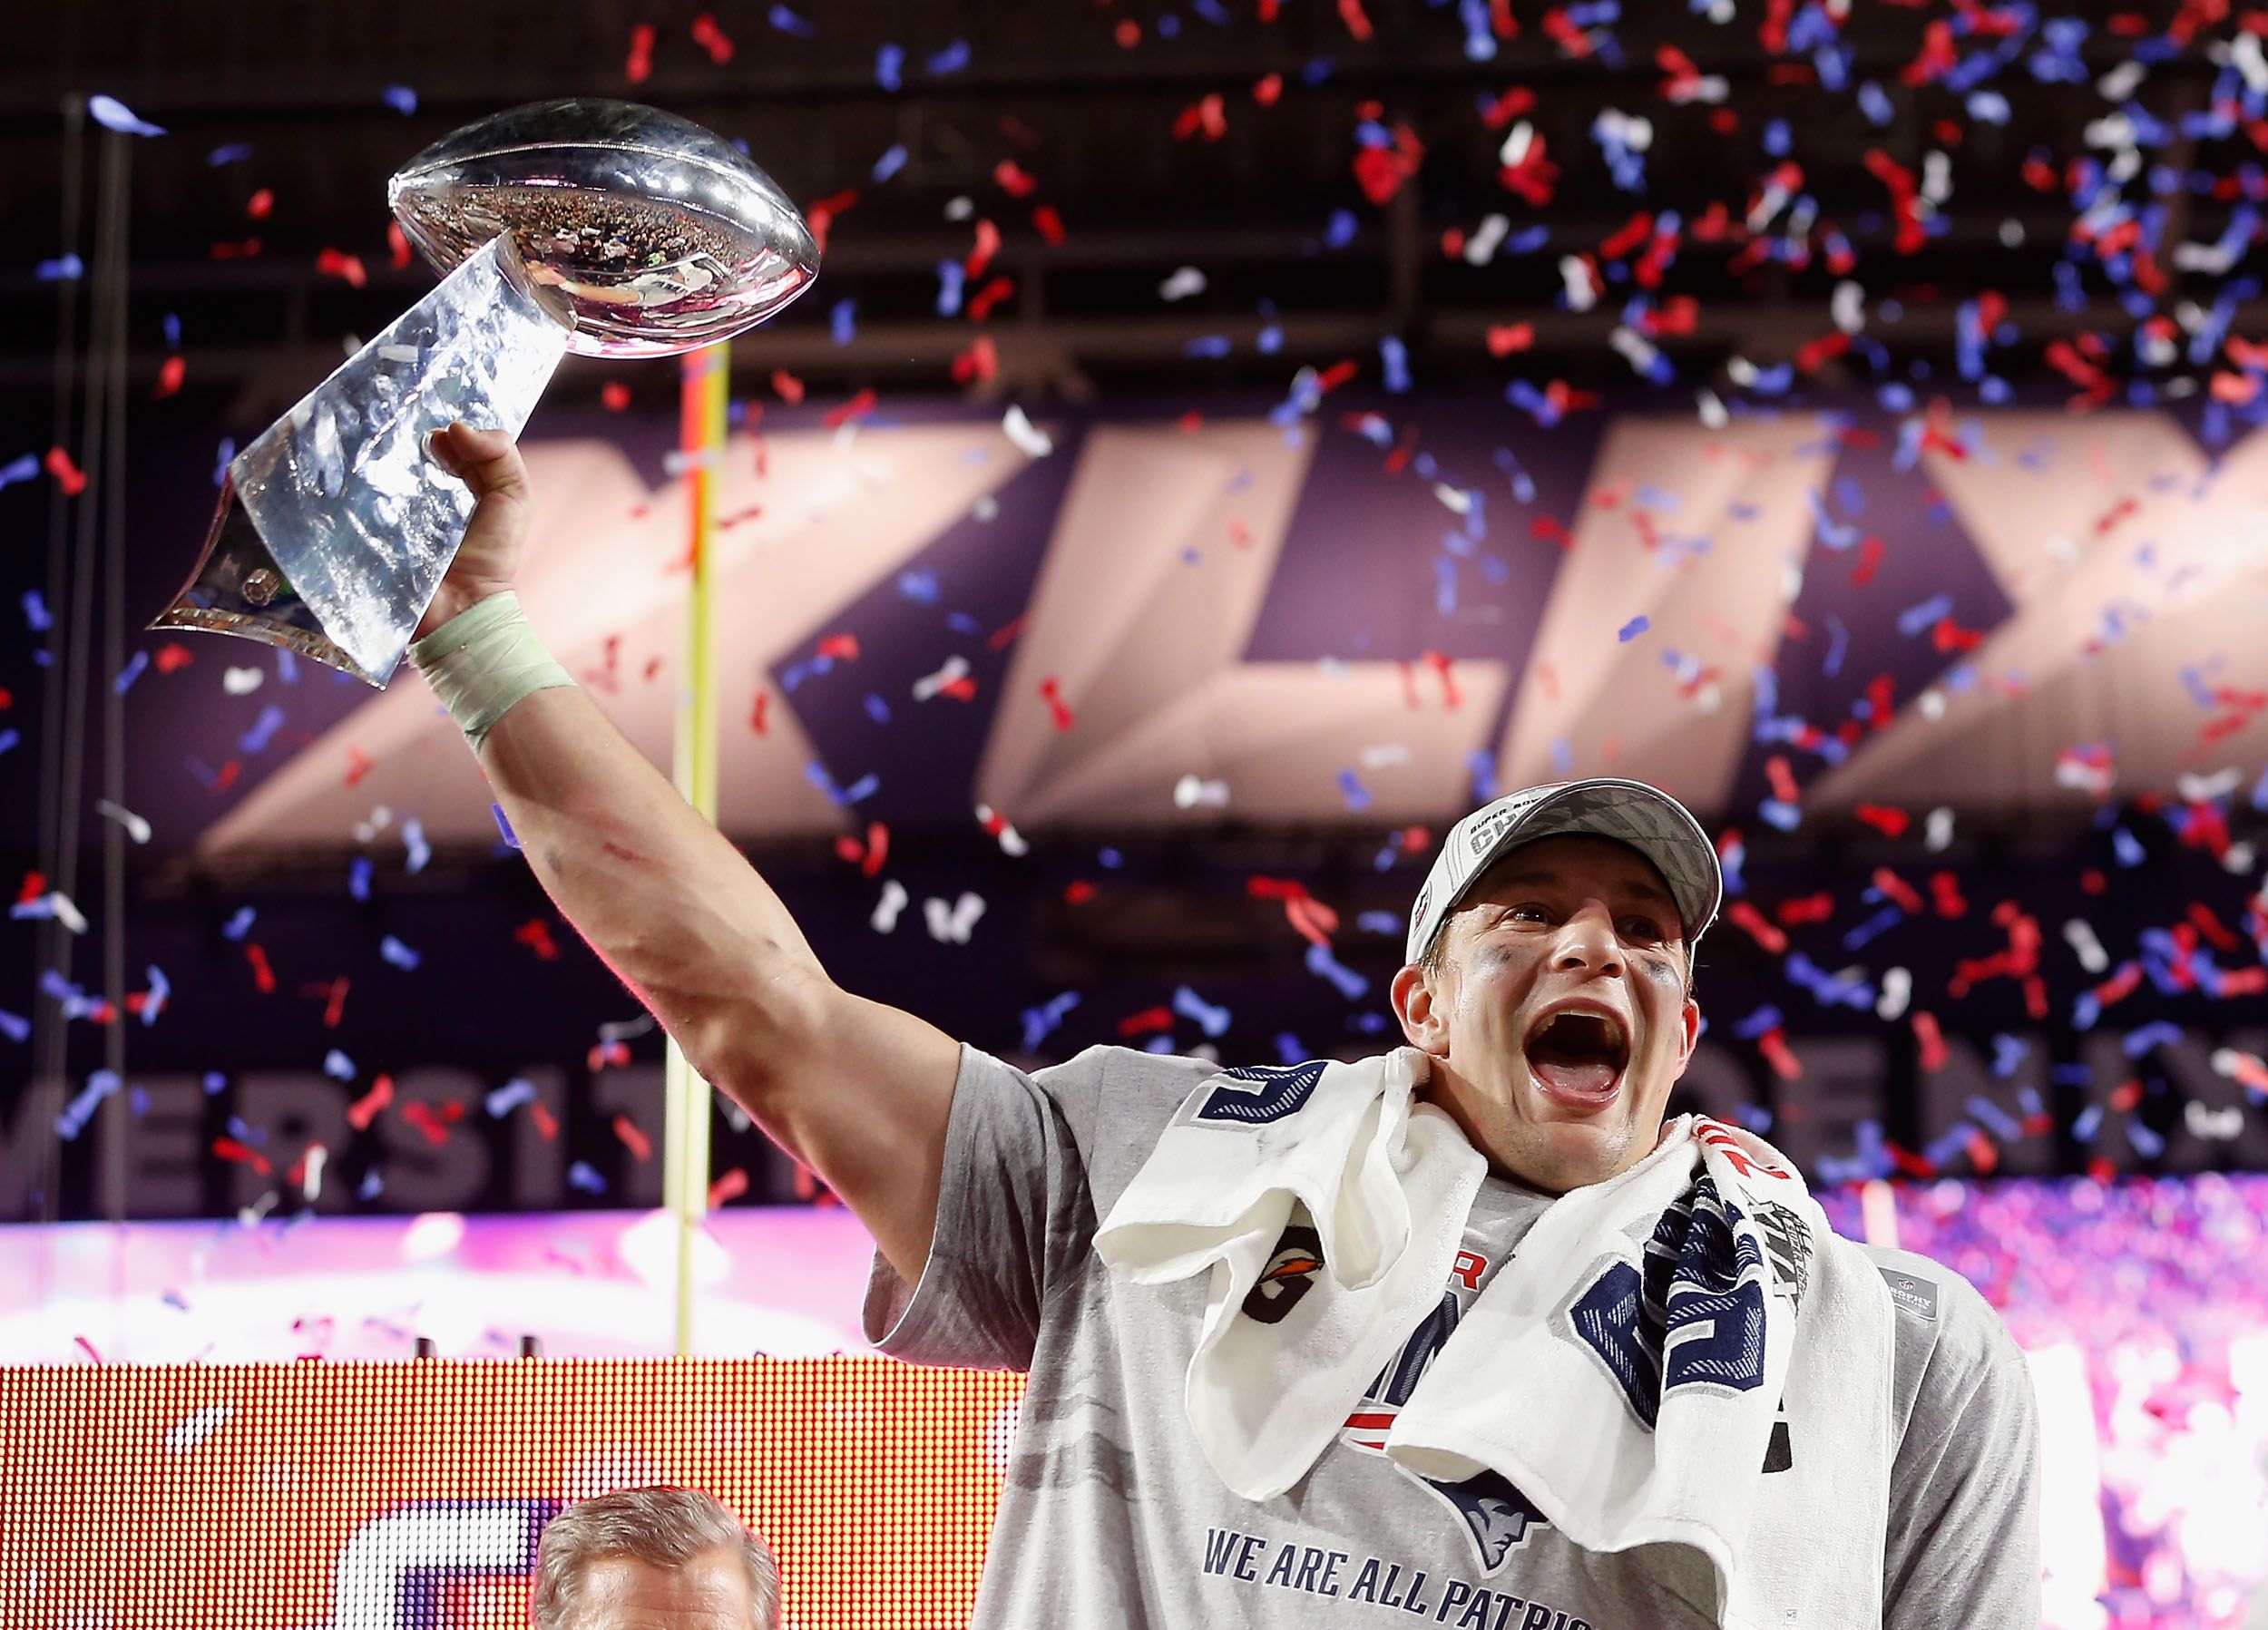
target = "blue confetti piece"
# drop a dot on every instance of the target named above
(920, 587)
(9, 739)
(414, 840)
(245, 1133)
(2007, 1052)
(401, 99)
(951, 280)
(1393, 357)
(1110, 859)
(1838, 641)
(1212, 11)
(951, 58)
(236, 153)
(2128, 847)
(1631, 630)
(63, 268)
(22, 468)
(14, 1026)
(1881, 923)
(372, 1185)
(1322, 963)
(788, 22)
(960, 622)
(173, 331)
(256, 740)
(1208, 344)
(584, 1177)
(1340, 229)
(1779, 815)
(2002, 1124)
(511, 838)
(892, 161)
(239, 925)
(81, 1109)
(113, 114)
(502, 1100)
(1916, 619)
(338, 1066)
(2160, 1034)
(877, 709)
(160, 988)
(2085, 1010)
(36, 613)
(1213, 1021)
(1041, 1022)
(890, 67)
(1764, 1020)
(2146, 1143)
(1379, 923)
(359, 878)
(1289, 1049)
(1357, 796)
(842, 321)
(400, 955)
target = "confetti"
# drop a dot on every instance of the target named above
(113, 114)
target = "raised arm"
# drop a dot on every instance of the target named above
(858, 1091)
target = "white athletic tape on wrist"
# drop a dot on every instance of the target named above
(482, 660)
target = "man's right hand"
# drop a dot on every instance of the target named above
(489, 559)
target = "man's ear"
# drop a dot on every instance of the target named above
(1419, 1004)
(1688, 1035)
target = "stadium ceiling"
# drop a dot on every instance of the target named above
(1225, 136)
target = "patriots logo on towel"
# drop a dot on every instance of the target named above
(1497, 1515)
(1289, 1275)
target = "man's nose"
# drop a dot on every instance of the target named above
(1587, 942)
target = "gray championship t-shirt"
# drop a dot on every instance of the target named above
(1111, 1515)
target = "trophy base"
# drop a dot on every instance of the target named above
(238, 588)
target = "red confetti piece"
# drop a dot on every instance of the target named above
(173, 656)
(640, 62)
(546, 1123)
(788, 387)
(639, 1145)
(1268, 90)
(1048, 225)
(987, 246)
(68, 476)
(614, 396)
(1357, 23)
(1807, 908)
(1004, 636)
(1895, 889)
(841, 645)
(262, 204)
(820, 216)
(263, 976)
(1504, 338)
(1932, 1040)
(1014, 179)
(170, 373)
(1148, 1019)
(711, 38)
(34, 885)
(1783, 779)
(868, 856)
(1869, 561)
(981, 305)
(1128, 33)
(1079, 892)
(335, 1003)
(857, 407)
(422, 1116)
(1746, 916)
(87, 1347)
(365, 1108)
(396, 245)
(1382, 170)
(228, 1150)
(358, 765)
(1773, 1045)
(1205, 114)
(536, 935)
(1051, 692)
(335, 263)
(236, 252)
(979, 365)
(755, 713)
(730, 1185)
(616, 1053)
(1946, 896)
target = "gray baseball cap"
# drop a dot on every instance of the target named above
(1645, 817)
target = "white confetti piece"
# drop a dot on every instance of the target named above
(1030, 439)
(893, 902)
(952, 923)
(1191, 792)
(136, 827)
(1897, 991)
(1454, 499)
(311, 1184)
(243, 681)
(1938, 828)
(2080, 937)
(1184, 283)
(1575, 275)
(1482, 246)
(956, 668)
(199, 1427)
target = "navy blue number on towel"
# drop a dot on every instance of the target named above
(1702, 1281)
(1252, 1095)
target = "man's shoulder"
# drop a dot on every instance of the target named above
(1939, 1312)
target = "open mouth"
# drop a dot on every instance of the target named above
(1579, 1054)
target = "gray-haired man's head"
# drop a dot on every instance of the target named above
(657, 1555)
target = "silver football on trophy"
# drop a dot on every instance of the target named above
(660, 235)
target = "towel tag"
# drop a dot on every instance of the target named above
(1914, 1294)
